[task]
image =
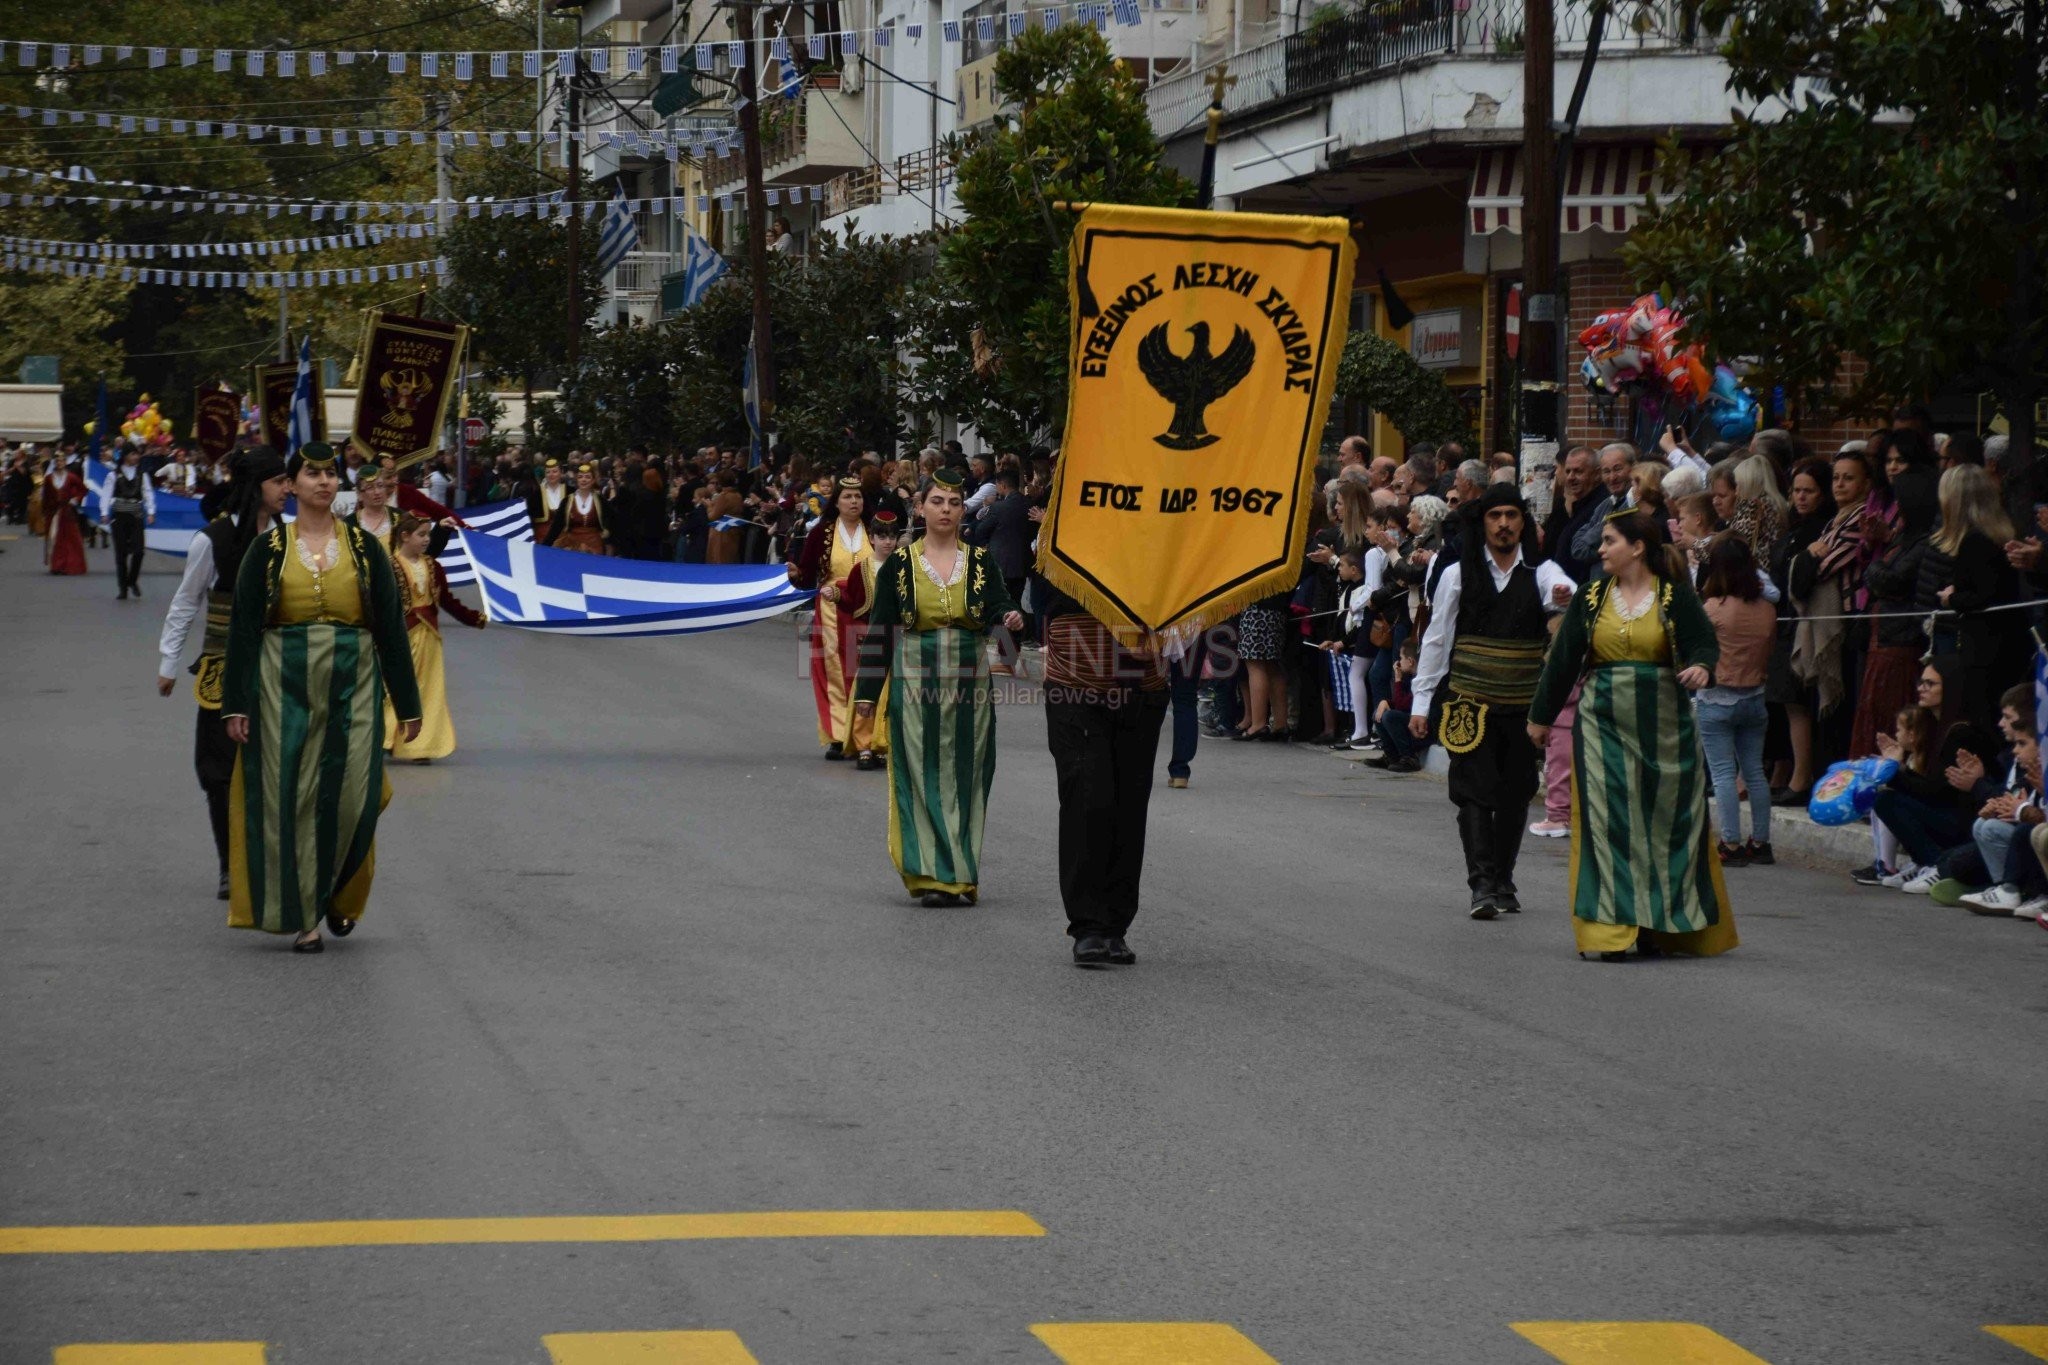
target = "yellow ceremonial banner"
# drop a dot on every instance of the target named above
(1204, 350)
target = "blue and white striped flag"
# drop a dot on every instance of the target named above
(619, 235)
(702, 267)
(565, 593)
(507, 519)
(299, 433)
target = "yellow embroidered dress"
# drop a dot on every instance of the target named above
(1642, 855)
(311, 649)
(942, 752)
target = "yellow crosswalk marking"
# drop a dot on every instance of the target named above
(2032, 1340)
(1635, 1343)
(167, 1353)
(647, 1348)
(658, 1227)
(1149, 1343)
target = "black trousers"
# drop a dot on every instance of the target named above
(128, 551)
(213, 758)
(1492, 786)
(1103, 756)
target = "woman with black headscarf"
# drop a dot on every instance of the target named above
(1812, 508)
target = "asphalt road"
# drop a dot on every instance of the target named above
(636, 950)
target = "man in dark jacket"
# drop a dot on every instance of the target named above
(1006, 528)
(1579, 497)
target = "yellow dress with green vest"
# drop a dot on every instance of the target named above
(1642, 851)
(310, 654)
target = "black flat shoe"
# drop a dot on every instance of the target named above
(1278, 736)
(1259, 733)
(1093, 950)
(311, 945)
(836, 753)
(223, 886)
(339, 927)
(867, 763)
(938, 900)
(1786, 796)
(1120, 953)
(1612, 957)
(1760, 855)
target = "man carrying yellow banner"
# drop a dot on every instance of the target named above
(1199, 372)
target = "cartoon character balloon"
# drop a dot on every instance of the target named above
(1638, 350)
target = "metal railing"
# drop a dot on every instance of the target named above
(1345, 44)
(783, 129)
(856, 189)
(922, 171)
(639, 274)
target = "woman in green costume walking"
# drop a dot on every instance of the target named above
(1643, 868)
(316, 638)
(935, 600)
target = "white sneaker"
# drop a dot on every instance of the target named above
(1898, 879)
(1921, 882)
(1550, 829)
(2002, 899)
(2032, 909)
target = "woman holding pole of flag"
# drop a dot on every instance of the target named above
(935, 601)
(316, 637)
(423, 589)
(834, 550)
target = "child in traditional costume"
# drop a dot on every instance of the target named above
(423, 588)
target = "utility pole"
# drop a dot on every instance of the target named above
(284, 334)
(757, 209)
(443, 209)
(572, 147)
(1541, 425)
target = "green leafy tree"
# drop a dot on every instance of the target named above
(509, 279)
(1080, 134)
(1885, 201)
(1387, 379)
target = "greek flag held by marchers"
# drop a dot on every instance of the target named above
(1204, 351)
(560, 591)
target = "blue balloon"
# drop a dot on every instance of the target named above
(1847, 790)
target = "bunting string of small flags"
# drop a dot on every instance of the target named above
(371, 234)
(227, 279)
(535, 63)
(555, 209)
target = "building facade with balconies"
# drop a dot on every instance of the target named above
(1406, 116)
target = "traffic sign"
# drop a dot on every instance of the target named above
(473, 432)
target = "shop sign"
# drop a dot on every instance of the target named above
(1447, 339)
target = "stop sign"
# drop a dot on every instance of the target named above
(473, 432)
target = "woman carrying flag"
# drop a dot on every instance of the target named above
(423, 589)
(316, 637)
(935, 601)
(835, 548)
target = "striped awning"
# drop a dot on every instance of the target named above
(1603, 188)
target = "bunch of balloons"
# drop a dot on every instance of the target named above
(146, 425)
(1636, 350)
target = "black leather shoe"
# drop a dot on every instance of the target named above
(1092, 950)
(867, 763)
(223, 886)
(1120, 953)
(836, 752)
(938, 900)
(339, 927)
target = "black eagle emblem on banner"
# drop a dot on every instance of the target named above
(1193, 381)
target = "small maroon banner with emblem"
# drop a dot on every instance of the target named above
(216, 418)
(274, 387)
(408, 370)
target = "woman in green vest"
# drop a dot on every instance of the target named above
(935, 600)
(316, 638)
(1644, 873)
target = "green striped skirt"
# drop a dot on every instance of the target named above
(309, 784)
(942, 758)
(1641, 852)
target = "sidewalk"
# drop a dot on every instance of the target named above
(1794, 837)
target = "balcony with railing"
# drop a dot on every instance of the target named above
(804, 141)
(639, 275)
(855, 190)
(1343, 45)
